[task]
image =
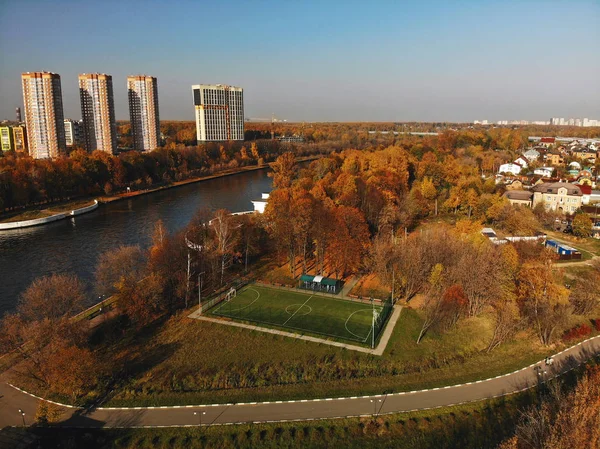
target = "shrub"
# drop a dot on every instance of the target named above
(583, 330)
(596, 324)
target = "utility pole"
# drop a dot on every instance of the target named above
(187, 288)
(200, 282)
(393, 282)
(373, 325)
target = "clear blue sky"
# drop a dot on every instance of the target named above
(319, 60)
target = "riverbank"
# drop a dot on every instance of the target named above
(48, 215)
(127, 195)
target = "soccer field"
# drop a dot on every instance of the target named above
(304, 312)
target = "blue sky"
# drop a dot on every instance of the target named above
(319, 60)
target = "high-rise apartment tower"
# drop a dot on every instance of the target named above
(143, 111)
(18, 114)
(219, 112)
(42, 98)
(98, 112)
(74, 133)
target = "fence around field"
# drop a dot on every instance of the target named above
(265, 315)
(320, 293)
(221, 295)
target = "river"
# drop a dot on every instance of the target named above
(74, 245)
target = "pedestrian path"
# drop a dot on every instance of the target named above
(12, 400)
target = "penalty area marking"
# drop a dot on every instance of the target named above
(246, 306)
(299, 307)
(360, 337)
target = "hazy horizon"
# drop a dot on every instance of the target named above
(320, 61)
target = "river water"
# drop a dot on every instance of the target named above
(74, 245)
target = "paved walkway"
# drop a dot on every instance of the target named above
(348, 286)
(12, 399)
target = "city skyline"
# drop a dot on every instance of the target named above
(389, 62)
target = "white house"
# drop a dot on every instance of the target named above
(522, 161)
(532, 155)
(510, 168)
(544, 171)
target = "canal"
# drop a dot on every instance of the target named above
(74, 245)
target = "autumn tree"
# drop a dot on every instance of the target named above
(226, 233)
(167, 260)
(454, 304)
(562, 421)
(277, 214)
(582, 225)
(119, 269)
(284, 170)
(72, 370)
(348, 241)
(42, 323)
(542, 298)
(585, 296)
(433, 305)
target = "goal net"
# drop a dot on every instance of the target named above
(232, 293)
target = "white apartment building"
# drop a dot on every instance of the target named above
(219, 112)
(143, 111)
(44, 119)
(74, 133)
(98, 112)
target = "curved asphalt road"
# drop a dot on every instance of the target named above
(11, 400)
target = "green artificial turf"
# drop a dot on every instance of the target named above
(302, 312)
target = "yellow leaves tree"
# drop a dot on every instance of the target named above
(284, 171)
(543, 300)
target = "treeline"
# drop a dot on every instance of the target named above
(328, 213)
(25, 181)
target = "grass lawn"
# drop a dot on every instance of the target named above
(298, 311)
(188, 361)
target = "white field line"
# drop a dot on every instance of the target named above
(349, 331)
(246, 306)
(286, 321)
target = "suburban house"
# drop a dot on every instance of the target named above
(522, 161)
(515, 184)
(555, 158)
(544, 171)
(558, 196)
(547, 141)
(519, 197)
(515, 169)
(585, 155)
(532, 155)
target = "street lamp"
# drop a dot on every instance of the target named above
(22, 416)
(375, 402)
(199, 414)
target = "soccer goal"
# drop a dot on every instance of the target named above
(232, 293)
